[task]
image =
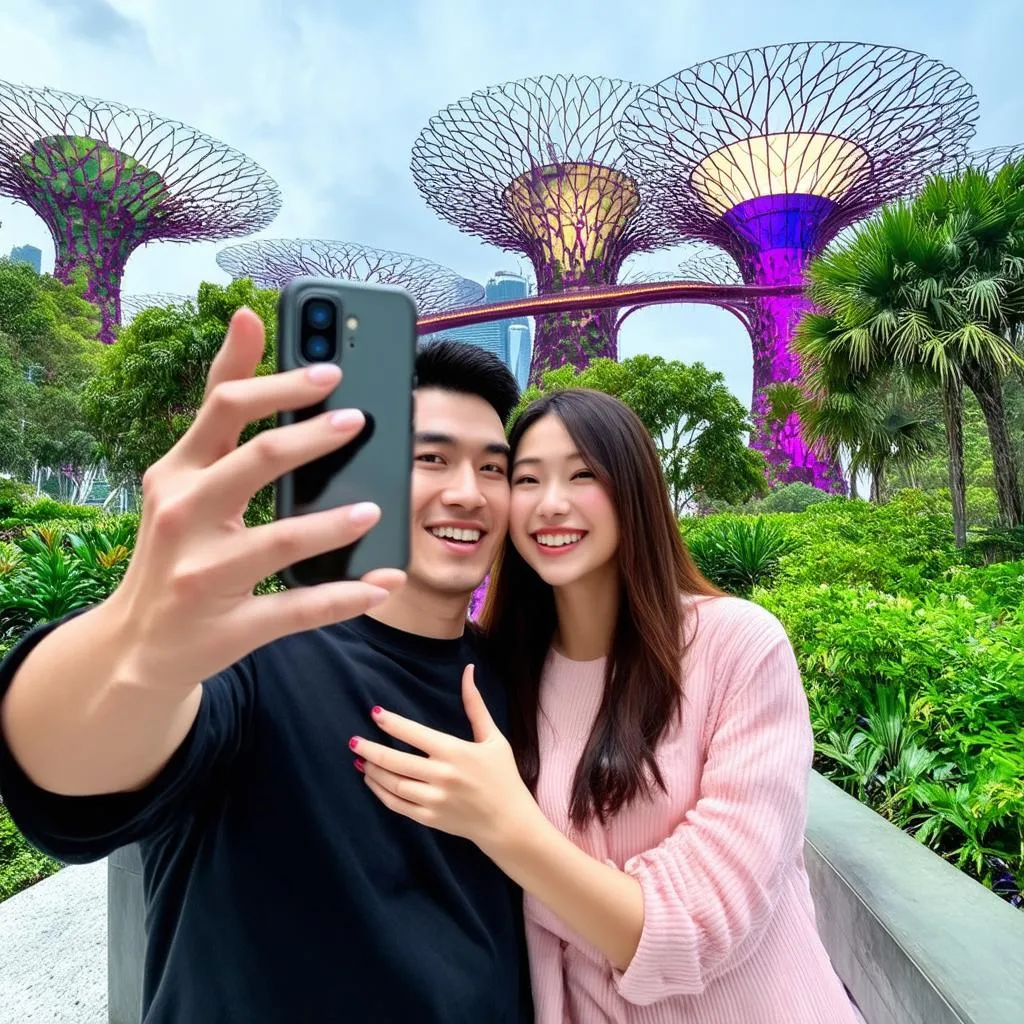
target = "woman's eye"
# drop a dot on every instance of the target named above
(524, 480)
(583, 474)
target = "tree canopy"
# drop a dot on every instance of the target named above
(48, 350)
(151, 382)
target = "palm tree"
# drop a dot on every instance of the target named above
(883, 428)
(933, 290)
(982, 219)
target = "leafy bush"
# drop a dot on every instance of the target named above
(796, 497)
(917, 705)
(737, 554)
(47, 509)
(13, 493)
(20, 864)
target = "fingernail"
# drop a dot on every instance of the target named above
(364, 512)
(346, 419)
(376, 595)
(353, 743)
(376, 711)
(321, 373)
(360, 764)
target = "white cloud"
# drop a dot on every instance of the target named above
(329, 98)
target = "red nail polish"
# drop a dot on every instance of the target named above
(376, 711)
(360, 764)
(353, 743)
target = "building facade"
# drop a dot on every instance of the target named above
(508, 339)
(28, 254)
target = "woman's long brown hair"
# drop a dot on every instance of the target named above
(643, 682)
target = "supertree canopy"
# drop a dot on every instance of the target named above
(989, 161)
(769, 153)
(535, 167)
(272, 263)
(135, 303)
(107, 179)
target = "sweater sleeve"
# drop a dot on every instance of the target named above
(709, 888)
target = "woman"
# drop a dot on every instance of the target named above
(662, 740)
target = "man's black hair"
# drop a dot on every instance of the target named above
(467, 370)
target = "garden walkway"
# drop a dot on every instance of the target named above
(53, 948)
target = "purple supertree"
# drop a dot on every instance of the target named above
(136, 302)
(535, 167)
(769, 153)
(272, 263)
(106, 179)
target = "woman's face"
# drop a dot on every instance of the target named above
(561, 519)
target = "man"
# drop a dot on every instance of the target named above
(212, 726)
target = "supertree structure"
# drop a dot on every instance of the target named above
(136, 302)
(988, 161)
(535, 167)
(272, 263)
(106, 179)
(706, 263)
(769, 153)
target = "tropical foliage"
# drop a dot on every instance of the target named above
(927, 298)
(48, 349)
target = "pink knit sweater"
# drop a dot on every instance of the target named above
(729, 934)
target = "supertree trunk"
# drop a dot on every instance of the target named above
(104, 269)
(573, 338)
(779, 237)
(790, 458)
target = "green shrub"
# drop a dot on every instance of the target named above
(13, 493)
(917, 704)
(793, 498)
(46, 509)
(739, 554)
(21, 865)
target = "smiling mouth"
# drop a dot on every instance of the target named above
(561, 541)
(466, 536)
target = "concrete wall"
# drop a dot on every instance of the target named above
(915, 940)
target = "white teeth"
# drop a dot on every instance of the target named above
(454, 533)
(557, 540)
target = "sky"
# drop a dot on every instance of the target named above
(329, 95)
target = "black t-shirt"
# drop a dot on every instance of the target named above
(278, 889)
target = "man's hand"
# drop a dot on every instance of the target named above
(186, 599)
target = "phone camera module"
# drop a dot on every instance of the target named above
(319, 314)
(317, 349)
(319, 331)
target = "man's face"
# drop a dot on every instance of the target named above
(460, 491)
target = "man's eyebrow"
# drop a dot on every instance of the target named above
(447, 441)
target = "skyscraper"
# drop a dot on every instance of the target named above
(28, 254)
(520, 350)
(507, 339)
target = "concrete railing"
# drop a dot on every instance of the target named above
(915, 940)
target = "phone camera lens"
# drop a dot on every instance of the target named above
(317, 349)
(320, 314)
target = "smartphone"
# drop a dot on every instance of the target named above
(369, 330)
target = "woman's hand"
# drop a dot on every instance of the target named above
(469, 789)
